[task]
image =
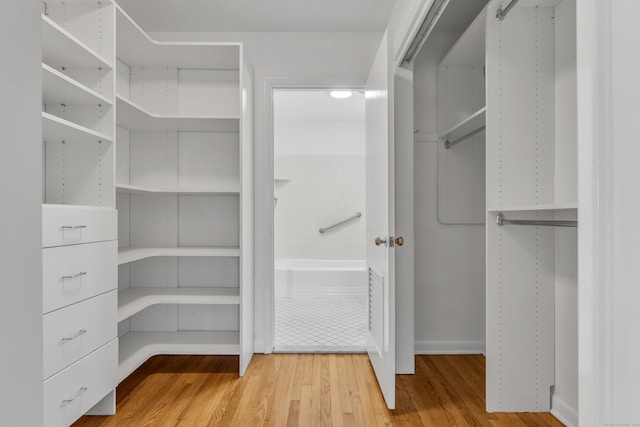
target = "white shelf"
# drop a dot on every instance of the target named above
(473, 122)
(58, 88)
(61, 49)
(469, 49)
(136, 48)
(136, 347)
(133, 117)
(134, 300)
(136, 189)
(547, 207)
(57, 129)
(126, 255)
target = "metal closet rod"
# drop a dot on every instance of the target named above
(501, 220)
(502, 12)
(448, 144)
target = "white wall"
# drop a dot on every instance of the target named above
(321, 191)
(319, 149)
(21, 214)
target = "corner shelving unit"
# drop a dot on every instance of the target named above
(184, 194)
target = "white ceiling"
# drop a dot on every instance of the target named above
(317, 106)
(259, 15)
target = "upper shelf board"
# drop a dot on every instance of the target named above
(135, 48)
(57, 129)
(221, 190)
(537, 3)
(131, 254)
(547, 207)
(134, 117)
(469, 50)
(58, 88)
(468, 125)
(61, 49)
(134, 300)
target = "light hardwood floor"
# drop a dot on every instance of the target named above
(305, 390)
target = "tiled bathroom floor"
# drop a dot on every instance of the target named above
(326, 324)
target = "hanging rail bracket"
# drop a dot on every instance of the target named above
(503, 11)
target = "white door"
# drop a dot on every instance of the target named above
(380, 242)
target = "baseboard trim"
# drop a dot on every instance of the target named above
(563, 412)
(450, 347)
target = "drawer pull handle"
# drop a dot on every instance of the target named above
(74, 276)
(80, 392)
(76, 335)
(73, 227)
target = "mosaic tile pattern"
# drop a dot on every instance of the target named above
(326, 324)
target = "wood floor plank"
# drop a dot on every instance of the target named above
(305, 390)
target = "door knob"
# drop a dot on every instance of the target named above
(399, 241)
(381, 241)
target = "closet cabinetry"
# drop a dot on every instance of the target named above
(184, 191)
(79, 218)
(531, 176)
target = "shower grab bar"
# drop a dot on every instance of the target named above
(322, 230)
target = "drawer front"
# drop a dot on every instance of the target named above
(72, 392)
(73, 332)
(70, 225)
(75, 273)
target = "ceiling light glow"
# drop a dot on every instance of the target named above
(341, 94)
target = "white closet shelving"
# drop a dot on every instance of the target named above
(57, 129)
(137, 347)
(532, 176)
(60, 48)
(220, 190)
(184, 185)
(134, 117)
(78, 213)
(127, 255)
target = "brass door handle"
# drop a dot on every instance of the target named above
(392, 241)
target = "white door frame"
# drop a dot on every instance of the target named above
(265, 268)
(608, 319)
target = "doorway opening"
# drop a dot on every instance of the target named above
(320, 279)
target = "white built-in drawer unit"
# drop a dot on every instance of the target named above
(73, 332)
(74, 273)
(72, 392)
(70, 225)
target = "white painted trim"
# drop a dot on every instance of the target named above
(563, 412)
(450, 347)
(593, 42)
(412, 31)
